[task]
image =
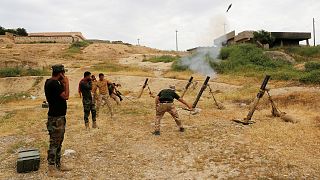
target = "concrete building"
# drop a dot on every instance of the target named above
(290, 38)
(281, 38)
(50, 37)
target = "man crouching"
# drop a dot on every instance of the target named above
(164, 103)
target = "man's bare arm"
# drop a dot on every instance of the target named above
(65, 93)
(185, 103)
(157, 101)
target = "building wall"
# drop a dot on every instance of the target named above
(286, 42)
(30, 39)
(244, 36)
(59, 34)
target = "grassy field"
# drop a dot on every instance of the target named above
(212, 147)
(19, 71)
(164, 58)
(250, 61)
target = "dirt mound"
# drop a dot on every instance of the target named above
(278, 55)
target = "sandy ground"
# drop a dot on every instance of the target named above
(213, 146)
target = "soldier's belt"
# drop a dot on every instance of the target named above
(166, 102)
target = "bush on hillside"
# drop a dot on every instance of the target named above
(304, 51)
(18, 31)
(178, 66)
(263, 37)
(312, 77)
(165, 59)
(311, 66)
(19, 71)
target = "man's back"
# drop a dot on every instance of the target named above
(168, 95)
(57, 105)
(86, 88)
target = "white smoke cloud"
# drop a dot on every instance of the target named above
(199, 61)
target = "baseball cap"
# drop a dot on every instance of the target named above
(58, 68)
(173, 87)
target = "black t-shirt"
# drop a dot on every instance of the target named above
(85, 88)
(168, 95)
(57, 105)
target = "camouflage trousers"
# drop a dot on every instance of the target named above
(56, 128)
(89, 106)
(116, 98)
(161, 109)
(104, 99)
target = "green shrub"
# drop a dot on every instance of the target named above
(312, 77)
(263, 37)
(248, 60)
(76, 47)
(304, 51)
(165, 59)
(177, 66)
(18, 71)
(13, 97)
(310, 66)
(10, 72)
(80, 44)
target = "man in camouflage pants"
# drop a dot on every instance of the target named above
(103, 96)
(164, 103)
(57, 93)
(87, 100)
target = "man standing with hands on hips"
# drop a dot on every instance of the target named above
(57, 93)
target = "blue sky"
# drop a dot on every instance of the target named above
(155, 22)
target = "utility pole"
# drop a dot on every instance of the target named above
(224, 28)
(138, 42)
(314, 32)
(177, 40)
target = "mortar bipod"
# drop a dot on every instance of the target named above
(275, 110)
(247, 119)
(219, 105)
(150, 92)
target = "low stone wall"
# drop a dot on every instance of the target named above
(40, 39)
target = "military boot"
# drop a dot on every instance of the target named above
(87, 126)
(94, 124)
(53, 172)
(156, 133)
(61, 167)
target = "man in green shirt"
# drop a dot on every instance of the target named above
(164, 103)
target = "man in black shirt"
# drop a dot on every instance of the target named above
(87, 100)
(164, 103)
(57, 93)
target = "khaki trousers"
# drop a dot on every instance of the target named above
(161, 109)
(104, 99)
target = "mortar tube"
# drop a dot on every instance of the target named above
(204, 86)
(187, 86)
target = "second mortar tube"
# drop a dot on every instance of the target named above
(204, 86)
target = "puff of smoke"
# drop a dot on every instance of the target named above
(200, 61)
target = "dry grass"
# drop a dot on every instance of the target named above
(213, 147)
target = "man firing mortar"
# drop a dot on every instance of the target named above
(164, 103)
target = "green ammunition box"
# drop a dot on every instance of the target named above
(45, 104)
(28, 160)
